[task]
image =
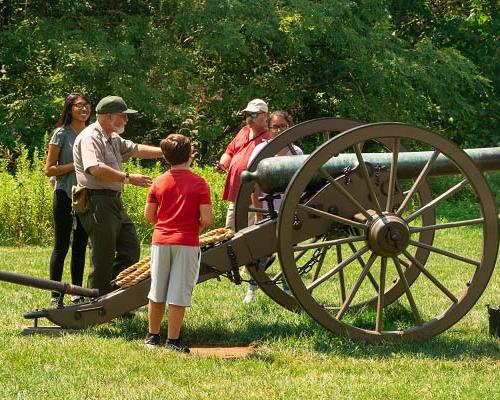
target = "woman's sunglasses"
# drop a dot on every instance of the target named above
(81, 106)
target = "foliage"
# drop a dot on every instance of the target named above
(25, 205)
(26, 201)
(190, 66)
(472, 28)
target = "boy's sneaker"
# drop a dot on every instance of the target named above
(175, 344)
(152, 341)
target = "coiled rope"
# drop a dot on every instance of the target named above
(141, 269)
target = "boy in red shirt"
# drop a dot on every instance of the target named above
(179, 205)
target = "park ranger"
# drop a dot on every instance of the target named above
(98, 153)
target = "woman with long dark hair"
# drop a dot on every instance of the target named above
(59, 163)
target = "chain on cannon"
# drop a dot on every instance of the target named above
(363, 236)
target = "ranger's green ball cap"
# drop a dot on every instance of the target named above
(113, 104)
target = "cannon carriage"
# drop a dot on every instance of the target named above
(360, 235)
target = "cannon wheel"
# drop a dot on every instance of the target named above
(324, 127)
(449, 283)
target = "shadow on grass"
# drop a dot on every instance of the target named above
(306, 333)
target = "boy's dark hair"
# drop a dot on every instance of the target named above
(176, 148)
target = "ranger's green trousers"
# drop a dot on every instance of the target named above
(113, 240)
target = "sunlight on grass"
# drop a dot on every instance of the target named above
(295, 357)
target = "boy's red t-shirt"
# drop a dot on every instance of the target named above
(178, 193)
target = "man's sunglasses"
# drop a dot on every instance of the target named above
(252, 115)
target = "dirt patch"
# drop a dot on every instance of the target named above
(223, 351)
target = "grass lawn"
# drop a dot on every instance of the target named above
(295, 358)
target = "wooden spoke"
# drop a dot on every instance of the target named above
(297, 257)
(477, 221)
(354, 290)
(418, 181)
(393, 173)
(259, 210)
(445, 253)
(362, 263)
(341, 274)
(328, 243)
(278, 275)
(380, 302)
(332, 217)
(431, 277)
(437, 200)
(320, 263)
(346, 194)
(409, 296)
(338, 268)
(366, 176)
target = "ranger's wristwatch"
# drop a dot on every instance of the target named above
(127, 178)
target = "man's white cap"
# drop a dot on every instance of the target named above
(256, 105)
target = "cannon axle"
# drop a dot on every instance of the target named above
(388, 235)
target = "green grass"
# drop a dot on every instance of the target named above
(295, 358)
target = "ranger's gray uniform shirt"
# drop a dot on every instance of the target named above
(92, 148)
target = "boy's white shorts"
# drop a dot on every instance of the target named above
(174, 273)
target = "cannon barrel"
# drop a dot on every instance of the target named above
(47, 284)
(273, 174)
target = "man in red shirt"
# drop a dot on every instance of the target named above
(235, 158)
(178, 204)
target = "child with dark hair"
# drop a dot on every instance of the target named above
(278, 122)
(179, 205)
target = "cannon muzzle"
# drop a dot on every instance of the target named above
(273, 174)
(47, 284)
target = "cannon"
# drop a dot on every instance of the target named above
(361, 235)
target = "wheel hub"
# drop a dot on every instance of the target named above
(388, 235)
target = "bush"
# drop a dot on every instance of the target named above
(26, 201)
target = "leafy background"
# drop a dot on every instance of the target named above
(191, 65)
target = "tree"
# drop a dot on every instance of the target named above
(191, 66)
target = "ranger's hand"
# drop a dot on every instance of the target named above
(140, 180)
